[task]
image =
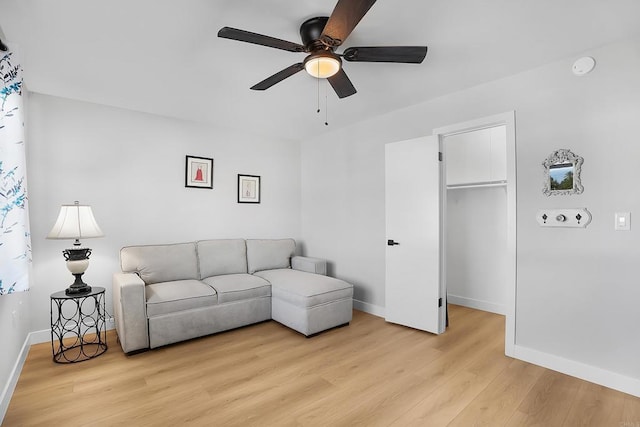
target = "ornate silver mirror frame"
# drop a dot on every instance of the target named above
(562, 173)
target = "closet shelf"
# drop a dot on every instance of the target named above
(485, 184)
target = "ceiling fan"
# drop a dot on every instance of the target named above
(320, 37)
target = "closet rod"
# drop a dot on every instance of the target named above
(478, 185)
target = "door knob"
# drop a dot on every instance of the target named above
(392, 243)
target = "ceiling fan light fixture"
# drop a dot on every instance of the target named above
(320, 37)
(322, 65)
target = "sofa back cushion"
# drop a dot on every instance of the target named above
(161, 263)
(269, 254)
(222, 256)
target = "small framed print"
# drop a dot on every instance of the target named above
(248, 189)
(199, 172)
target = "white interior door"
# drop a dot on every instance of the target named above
(414, 289)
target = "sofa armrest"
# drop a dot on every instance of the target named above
(310, 265)
(130, 312)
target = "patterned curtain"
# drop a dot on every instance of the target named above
(15, 240)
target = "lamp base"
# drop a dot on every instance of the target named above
(77, 263)
(78, 287)
(78, 291)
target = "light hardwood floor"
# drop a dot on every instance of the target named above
(369, 373)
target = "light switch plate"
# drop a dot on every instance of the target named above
(568, 218)
(623, 221)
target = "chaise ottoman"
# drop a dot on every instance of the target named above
(306, 302)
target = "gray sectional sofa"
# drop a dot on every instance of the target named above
(170, 293)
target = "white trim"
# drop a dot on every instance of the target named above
(38, 337)
(477, 304)
(583, 371)
(376, 310)
(487, 184)
(477, 124)
(509, 120)
(7, 392)
(35, 337)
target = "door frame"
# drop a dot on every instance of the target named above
(508, 119)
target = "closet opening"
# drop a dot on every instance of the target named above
(479, 216)
(476, 220)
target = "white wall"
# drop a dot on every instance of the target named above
(477, 248)
(130, 168)
(14, 318)
(343, 218)
(577, 290)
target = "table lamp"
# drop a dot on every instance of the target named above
(76, 222)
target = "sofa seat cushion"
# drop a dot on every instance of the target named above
(236, 287)
(179, 295)
(304, 289)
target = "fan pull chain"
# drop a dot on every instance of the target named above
(326, 104)
(318, 111)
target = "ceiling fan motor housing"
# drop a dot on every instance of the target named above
(310, 32)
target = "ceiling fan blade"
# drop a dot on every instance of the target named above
(341, 84)
(401, 54)
(278, 77)
(343, 20)
(249, 37)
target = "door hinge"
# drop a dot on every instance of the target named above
(440, 156)
(439, 302)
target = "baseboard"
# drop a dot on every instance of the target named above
(583, 371)
(580, 370)
(376, 310)
(35, 337)
(7, 392)
(38, 337)
(477, 304)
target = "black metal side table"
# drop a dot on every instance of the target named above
(78, 326)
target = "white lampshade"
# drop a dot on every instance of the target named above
(75, 222)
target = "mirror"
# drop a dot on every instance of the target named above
(562, 173)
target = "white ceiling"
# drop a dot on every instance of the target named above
(164, 56)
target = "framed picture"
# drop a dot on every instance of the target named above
(199, 172)
(248, 189)
(562, 173)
